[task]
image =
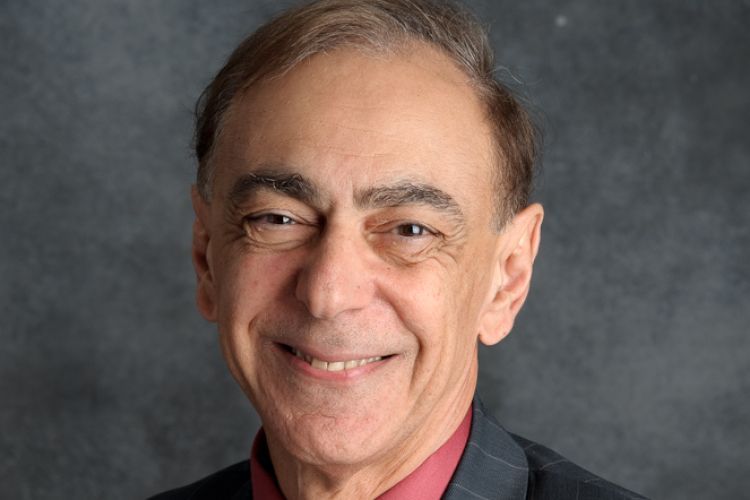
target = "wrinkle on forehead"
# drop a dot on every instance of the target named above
(368, 123)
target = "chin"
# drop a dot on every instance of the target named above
(334, 441)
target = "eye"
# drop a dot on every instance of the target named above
(412, 230)
(273, 219)
(276, 230)
(405, 241)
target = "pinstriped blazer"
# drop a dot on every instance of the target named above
(499, 465)
(495, 465)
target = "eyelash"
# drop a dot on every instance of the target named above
(271, 218)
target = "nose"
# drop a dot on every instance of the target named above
(335, 278)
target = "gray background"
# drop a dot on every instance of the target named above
(631, 357)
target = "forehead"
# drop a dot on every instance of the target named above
(360, 119)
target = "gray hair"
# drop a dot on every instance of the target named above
(381, 26)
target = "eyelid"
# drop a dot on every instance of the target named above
(393, 245)
(276, 230)
(308, 219)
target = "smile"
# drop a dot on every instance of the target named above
(334, 366)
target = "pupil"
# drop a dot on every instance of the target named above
(412, 230)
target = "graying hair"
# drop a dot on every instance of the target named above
(381, 26)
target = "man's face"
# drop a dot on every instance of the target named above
(350, 254)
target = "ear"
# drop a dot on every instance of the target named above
(201, 253)
(517, 248)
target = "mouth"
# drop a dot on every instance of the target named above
(332, 366)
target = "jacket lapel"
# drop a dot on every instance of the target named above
(493, 465)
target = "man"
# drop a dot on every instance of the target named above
(361, 224)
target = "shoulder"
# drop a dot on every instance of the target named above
(552, 476)
(230, 482)
(499, 464)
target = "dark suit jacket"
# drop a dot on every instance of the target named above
(495, 465)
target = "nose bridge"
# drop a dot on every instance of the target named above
(336, 278)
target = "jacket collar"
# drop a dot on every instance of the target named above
(493, 465)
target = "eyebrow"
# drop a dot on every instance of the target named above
(289, 184)
(409, 193)
(298, 187)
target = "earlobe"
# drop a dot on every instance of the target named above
(518, 246)
(201, 254)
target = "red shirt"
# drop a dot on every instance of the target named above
(429, 480)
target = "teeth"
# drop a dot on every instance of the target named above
(320, 365)
(334, 366)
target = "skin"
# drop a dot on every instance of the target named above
(351, 217)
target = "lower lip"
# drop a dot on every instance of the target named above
(339, 376)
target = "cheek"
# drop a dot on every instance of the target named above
(435, 312)
(442, 306)
(424, 303)
(250, 282)
(477, 272)
(248, 287)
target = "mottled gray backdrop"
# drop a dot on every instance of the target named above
(632, 356)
